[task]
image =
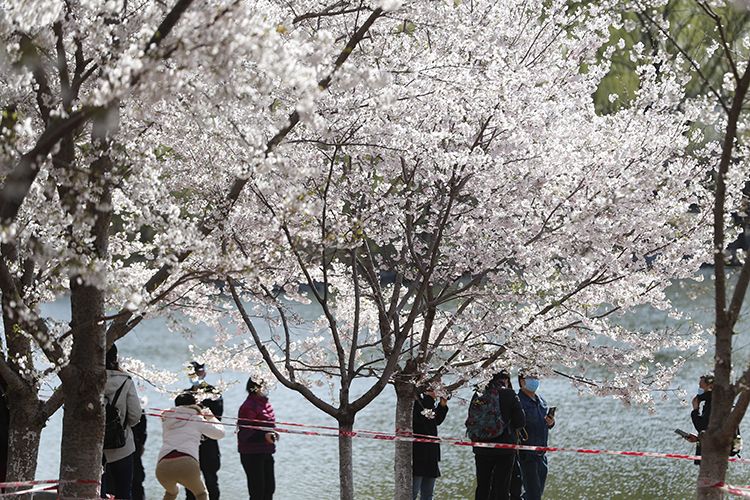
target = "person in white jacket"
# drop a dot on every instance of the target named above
(178, 460)
(118, 467)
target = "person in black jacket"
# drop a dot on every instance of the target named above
(495, 466)
(426, 417)
(210, 457)
(4, 430)
(140, 433)
(700, 418)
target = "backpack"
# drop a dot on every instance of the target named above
(114, 430)
(485, 421)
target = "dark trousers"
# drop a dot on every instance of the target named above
(139, 475)
(259, 471)
(118, 478)
(210, 460)
(516, 482)
(534, 471)
(423, 487)
(494, 473)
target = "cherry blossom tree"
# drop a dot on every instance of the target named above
(459, 149)
(62, 85)
(454, 144)
(723, 155)
(87, 206)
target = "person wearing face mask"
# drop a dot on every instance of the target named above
(698, 416)
(538, 424)
(209, 397)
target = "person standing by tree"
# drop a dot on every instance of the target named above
(700, 418)
(120, 392)
(140, 434)
(210, 455)
(256, 442)
(494, 467)
(427, 415)
(4, 427)
(538, 424)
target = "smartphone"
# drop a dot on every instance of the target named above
(682, 433)
(551, 411)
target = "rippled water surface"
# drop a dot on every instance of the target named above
(306, 467)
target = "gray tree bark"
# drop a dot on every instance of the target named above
(346, 465)
(85, 376)
(83, 385)
(23, 441)
(405, 393)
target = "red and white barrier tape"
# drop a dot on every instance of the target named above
(39, 485)
(35, 489)
(738, 491)
(296, 424)
(384, 436)
(18, 484)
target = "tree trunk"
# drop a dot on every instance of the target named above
(713, 468)
(405, 394)
(346, 472)
(83, 384)
(716, 441)
(85, 377)
(23, 440)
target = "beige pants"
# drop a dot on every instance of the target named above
(183, 470)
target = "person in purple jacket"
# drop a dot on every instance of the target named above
(256, 446)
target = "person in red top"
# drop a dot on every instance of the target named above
(256, 446)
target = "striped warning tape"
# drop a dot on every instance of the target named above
(34, 489)
(738, 491)
(38, 485)
(408, 437)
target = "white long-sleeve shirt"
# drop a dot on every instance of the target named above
(183, 426)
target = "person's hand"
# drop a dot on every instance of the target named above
(696, 403)
(271, 437)
(443, 401)
(692, 438)
(550, 421)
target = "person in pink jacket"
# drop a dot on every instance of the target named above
(256, 442)
(182, 429)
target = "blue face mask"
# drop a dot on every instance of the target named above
(700, 391)
(532, 384)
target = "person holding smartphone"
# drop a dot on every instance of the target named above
(539, 420)
(700, 416)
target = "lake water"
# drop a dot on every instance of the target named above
(306, 467)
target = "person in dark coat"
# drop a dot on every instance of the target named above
(210, 456)
(538, 423)
(139, 474)
(4, 431)
(700, 418)
(494, 466)
(426, 417)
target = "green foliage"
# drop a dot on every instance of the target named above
(682, 31)
(162, 152)
(406, 27)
